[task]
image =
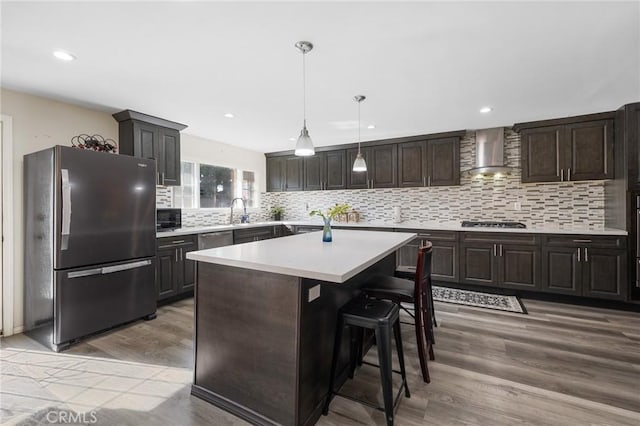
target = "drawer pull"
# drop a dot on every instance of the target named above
(177, 242)
(581, 241)
(424, 235)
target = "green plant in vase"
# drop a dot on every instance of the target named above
(276, 213)
(331, 212)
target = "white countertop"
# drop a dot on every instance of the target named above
(214, 228)
(426, 225)
(307, 256)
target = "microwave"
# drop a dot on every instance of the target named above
(168, 219)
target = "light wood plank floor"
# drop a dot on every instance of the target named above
(559, 365)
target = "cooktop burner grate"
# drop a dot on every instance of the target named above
(489, 224)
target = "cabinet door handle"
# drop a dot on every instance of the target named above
(569, 173)
(428, 180)
(586, 254)
(500, 250)
(495, 251)
(579, 255)
(371, 183)
(424, 181)
(176, 255)
(561, 175)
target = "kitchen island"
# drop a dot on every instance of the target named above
(265, 318)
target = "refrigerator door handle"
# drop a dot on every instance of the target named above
(66, 209)
(125, 266)
(109, 269)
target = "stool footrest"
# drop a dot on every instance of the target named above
(377, 366)
(396, 400)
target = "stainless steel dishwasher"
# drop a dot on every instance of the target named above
(215, 239)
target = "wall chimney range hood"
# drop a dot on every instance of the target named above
(490, 152)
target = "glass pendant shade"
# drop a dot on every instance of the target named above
(359, 165)
(304, 146)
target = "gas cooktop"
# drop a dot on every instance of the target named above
(487, 224)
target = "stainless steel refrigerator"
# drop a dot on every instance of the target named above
(89, 243)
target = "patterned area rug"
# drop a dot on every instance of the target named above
(482, 300)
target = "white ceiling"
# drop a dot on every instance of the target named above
(424, 67)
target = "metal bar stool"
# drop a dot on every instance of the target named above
(382, 317)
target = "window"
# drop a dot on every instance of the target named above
(208, 186)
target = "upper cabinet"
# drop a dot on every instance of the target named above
(285, 173)
(325, 170)
(430, 160)
(433, 162)
(382, 167)
(145, 136)
(628, 132)
(569, 149)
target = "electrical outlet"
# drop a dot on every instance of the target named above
(517, 206)
(306, 207)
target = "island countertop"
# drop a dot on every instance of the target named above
(307, 256)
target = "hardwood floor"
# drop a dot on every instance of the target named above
(559, 365)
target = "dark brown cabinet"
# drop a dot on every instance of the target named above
(285, 173)
(591, 266)
(444, 260)
(146, 136)
(253, 234)
(572, 149)
(540, 152)
(175, 274)
(325, 170)
(382, 167)
(500, 260)
(434, 162)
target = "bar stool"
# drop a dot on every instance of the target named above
(382, 317)
(419, 293)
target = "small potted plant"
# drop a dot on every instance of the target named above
(276, 213)
(331, 212)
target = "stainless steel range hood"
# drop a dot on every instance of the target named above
(490, 152)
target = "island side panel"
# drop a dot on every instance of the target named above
(246, 342)
(317, 335)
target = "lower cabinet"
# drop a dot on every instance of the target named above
(444, 260)
(175, 274)
(585, 270)
(500, 260)
(254, 234)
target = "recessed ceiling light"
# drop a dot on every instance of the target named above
(486, 110)
(63, 55)
(229, 115)
(371, 126)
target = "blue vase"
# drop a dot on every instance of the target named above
(326, 231)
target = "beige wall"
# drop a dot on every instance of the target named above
(40, 123)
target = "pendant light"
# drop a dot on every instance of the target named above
(304, 146)
(359, 165)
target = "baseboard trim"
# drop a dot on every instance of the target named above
(231, 407)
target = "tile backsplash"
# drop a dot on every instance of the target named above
(561, 204)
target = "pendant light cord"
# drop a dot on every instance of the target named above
(304, 90)
(358, 126)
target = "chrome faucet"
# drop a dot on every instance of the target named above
(245, 217)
